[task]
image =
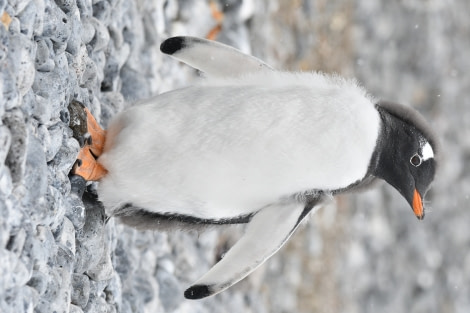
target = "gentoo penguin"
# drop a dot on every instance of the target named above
(250, 144)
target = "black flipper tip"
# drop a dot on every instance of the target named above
(172, 45)
(198, 292)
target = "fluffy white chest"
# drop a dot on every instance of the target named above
(230, 149)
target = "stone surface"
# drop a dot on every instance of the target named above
(363, 254)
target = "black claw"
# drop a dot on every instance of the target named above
(88, 139)
(172, 45)
(198, 292)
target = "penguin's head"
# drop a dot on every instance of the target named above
(406, 153)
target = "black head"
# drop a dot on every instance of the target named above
(406, 153)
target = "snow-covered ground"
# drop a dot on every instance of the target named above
(366, 253)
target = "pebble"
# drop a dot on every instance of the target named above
(66, 156)
(16, 242)
(5, 142)
(103, 270)
(31, 18)
(65, 239)
(81, 290)
(75, 211)
(56, 26)
(16, 158)
(88, 30)
(39, 282)
(170, 290)
(35, 176)
(55, 133)
(67, 6)
(89, 241)
(75, 309)
(101, 38)
(85, 8)
(75, 39)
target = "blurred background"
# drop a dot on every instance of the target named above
(362, 253)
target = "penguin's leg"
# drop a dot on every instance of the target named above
(266, 233)
(87, 165)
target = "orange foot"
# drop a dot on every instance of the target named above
(87, 165)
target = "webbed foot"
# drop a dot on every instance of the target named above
(91, 138)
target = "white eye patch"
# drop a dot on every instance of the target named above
(427, 151)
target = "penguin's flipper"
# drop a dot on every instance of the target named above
(266, 233)
(211, 57)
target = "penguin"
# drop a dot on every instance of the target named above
(251, 144)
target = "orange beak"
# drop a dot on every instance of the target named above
(418, 205)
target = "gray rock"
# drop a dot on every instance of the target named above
(21, 273)
(75, 211)
(65, 238)
(75, 309)
(4, 42)
(10, 94)
(75, 39)
(122, 262)
(90, 244)
(30, 298)
(89, 77)
(5, 142)
(56, 26)
(55, 209)
(41, 248)
(35, 175)
(96, 301)
(56, 133)
(135, 85)
(96, 304)
(6, 184)
(58, 293)
(16, 242)
(103, 270)
(65, 235)
(67, 6)
(111, 103)
(16, 158)
(170, 291)
(102, 11)
(31, 18)
(99, 58)
(43, 61)
(39, 281)
(88, 30)
(54, 86)
(40, 109)
(19, 5)
(101, 38)
(22, 52)
(66, 156)
(85, 8)
(113, 290)
(81, 290)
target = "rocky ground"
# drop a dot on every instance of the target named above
(365, 253)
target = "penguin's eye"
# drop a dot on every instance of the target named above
(416, 160)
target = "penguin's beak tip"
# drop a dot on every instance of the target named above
(417, 205)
